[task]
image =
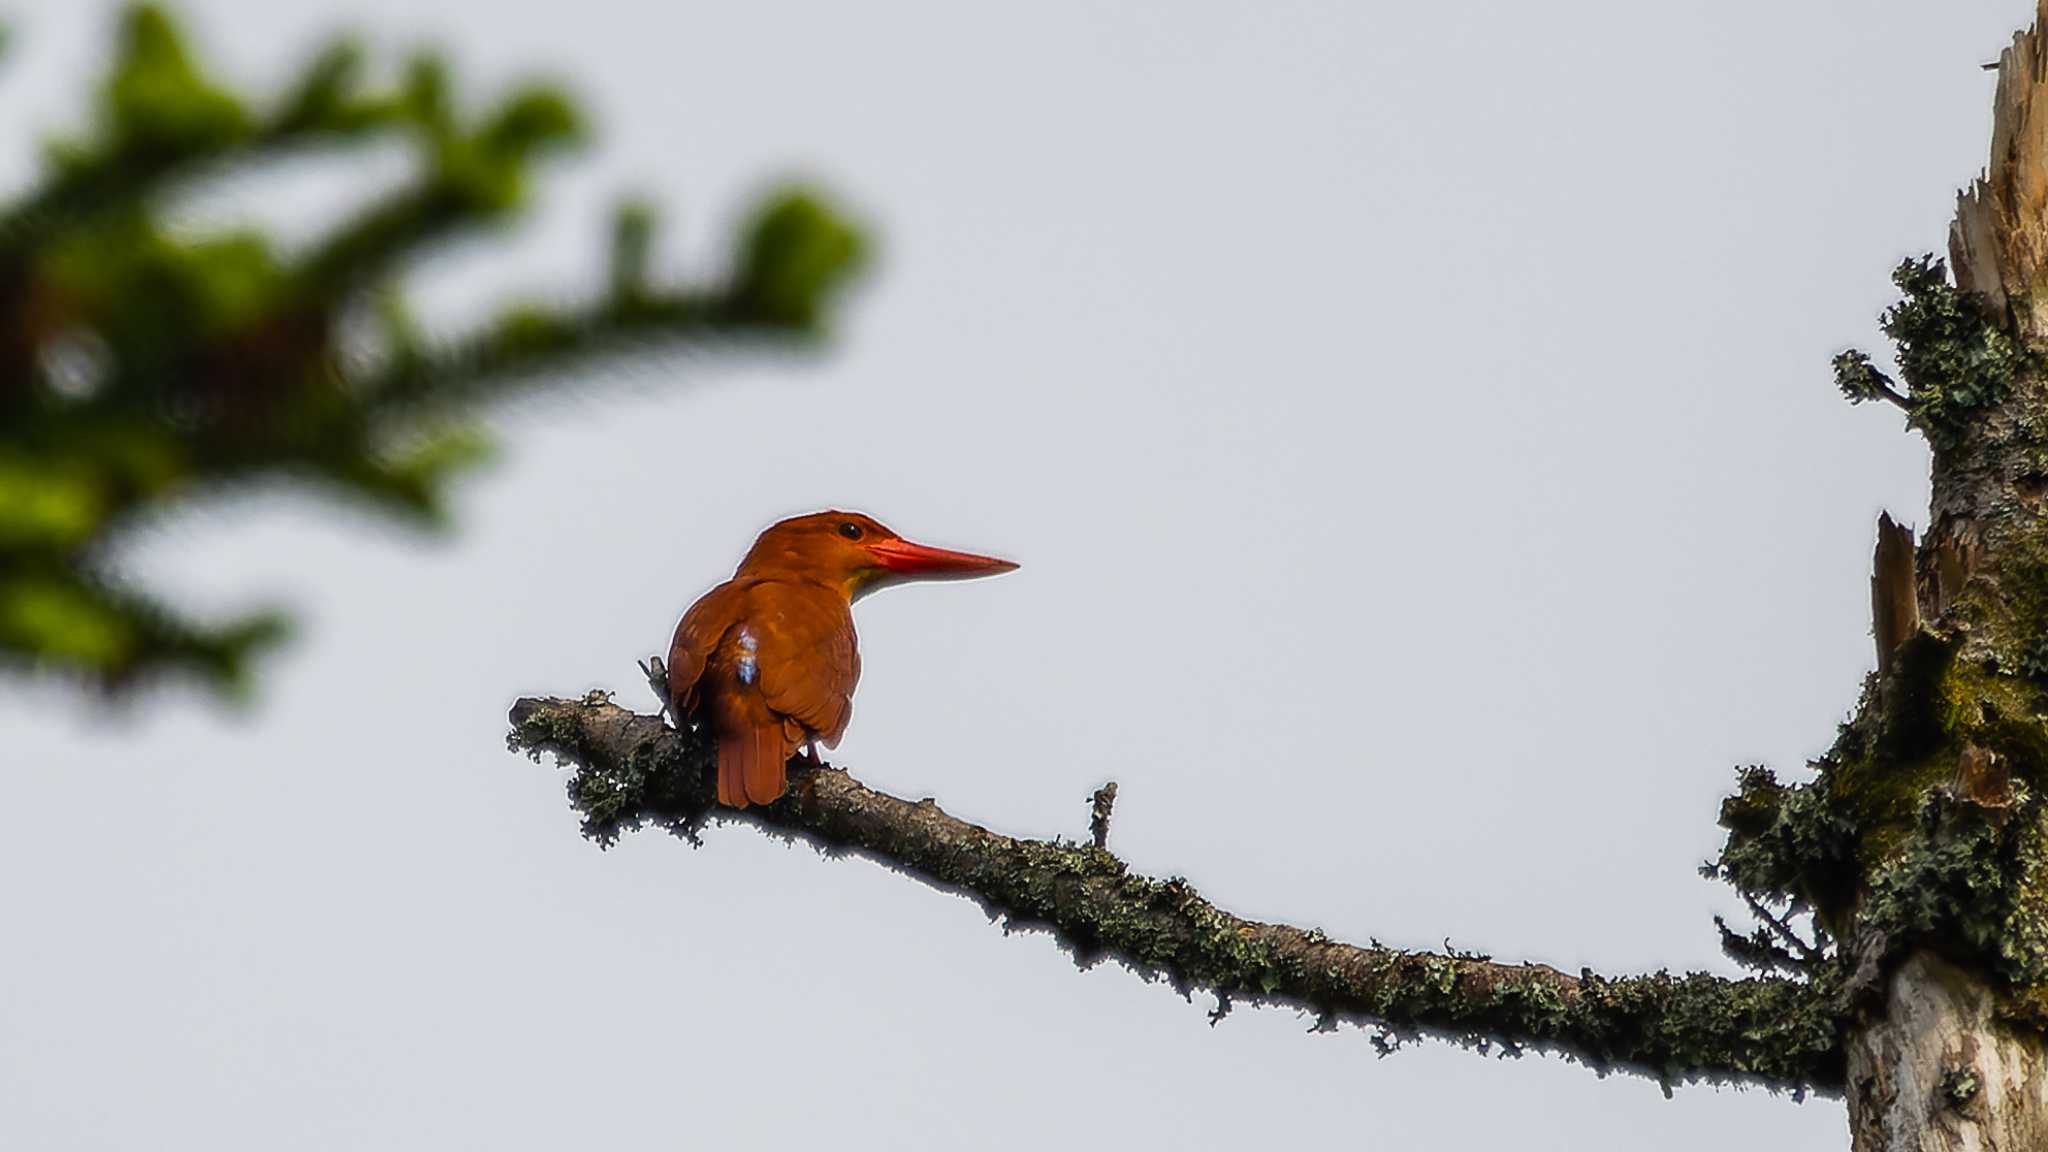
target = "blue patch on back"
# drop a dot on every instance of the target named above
(749, 668)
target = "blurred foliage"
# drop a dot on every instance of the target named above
(142, 366)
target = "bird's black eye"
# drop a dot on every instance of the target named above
(850, 530)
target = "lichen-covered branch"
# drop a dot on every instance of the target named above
(633, 769)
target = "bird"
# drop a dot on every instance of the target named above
(768, 660)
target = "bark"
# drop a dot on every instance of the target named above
(1938, 1072)
(1894, 602)
(635, 769)
(1988, 483)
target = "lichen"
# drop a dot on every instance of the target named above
(1959, 1086)
(616, 789)
(1924, 826)
(1955, 359)
(1965, 885)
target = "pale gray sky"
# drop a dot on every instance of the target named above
(1414, 421)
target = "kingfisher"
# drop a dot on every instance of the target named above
(768, 660)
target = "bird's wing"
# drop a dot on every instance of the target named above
(809, 662)
(696, 638)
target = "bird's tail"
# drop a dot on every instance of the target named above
(753, 766)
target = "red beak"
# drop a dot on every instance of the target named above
(924, 563)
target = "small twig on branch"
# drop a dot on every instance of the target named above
(1102, 801)
(657, 683)
(1860, 380)
(1783, 930)
(633, 770)
(1884, 391)
(1879, 387)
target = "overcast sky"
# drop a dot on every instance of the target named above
(1415, 424)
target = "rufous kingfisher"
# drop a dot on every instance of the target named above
(768, 659)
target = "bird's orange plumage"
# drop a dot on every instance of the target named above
(767, 660)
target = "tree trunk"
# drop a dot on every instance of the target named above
(1938, 1072)
(1949, 1055)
